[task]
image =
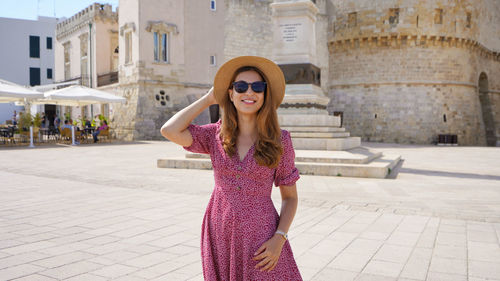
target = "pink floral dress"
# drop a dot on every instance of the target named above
(240, 215)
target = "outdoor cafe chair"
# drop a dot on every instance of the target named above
(9, 135)
(65, 134)
(104, 134)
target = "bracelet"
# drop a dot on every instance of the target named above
(282, 234)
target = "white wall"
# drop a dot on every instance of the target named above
(14, 50)
(15, 60)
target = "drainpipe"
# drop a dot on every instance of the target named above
(90, 66)
(90, 54)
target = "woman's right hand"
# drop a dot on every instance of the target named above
(211, 96)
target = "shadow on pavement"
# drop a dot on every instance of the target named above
(59, 145)
(448, 174)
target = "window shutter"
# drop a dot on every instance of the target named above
(34, 46)
(34, 76)
(49, 43)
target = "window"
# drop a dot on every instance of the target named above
(164, 49)
(67, 66)
(84, 43)
(34, 76)
(49, 43)
(468, 20)
(394, 16)
(212, 5)
(213, 61)
(161, 47)
(128, 47)
(49, 73)
(34, 46)
(157, 52)
(438, 16)
(352, 19)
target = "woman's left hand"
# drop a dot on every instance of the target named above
(269, 253)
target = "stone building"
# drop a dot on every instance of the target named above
(87, 51)
(396, 71)
(169, 53)
(26, 56)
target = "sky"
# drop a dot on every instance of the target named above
(31, 9)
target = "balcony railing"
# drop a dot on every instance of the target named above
(106, 79)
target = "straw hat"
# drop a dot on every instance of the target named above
(272, 72)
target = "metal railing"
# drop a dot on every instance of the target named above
(106, 79)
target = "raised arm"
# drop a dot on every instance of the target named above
(175, 129)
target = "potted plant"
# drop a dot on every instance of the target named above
(37, 120)
(37, 124)
(24, 123)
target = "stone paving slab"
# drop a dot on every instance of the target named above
(105, 212)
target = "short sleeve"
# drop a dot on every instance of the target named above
(286, 172)
(202, 138)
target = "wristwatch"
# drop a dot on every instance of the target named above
(282, 234)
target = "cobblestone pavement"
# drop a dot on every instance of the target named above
(105, 212)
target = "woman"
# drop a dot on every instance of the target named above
(243, 238)
(103, 127)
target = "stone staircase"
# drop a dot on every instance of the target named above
(356, 162)
(322, 148)
(317, 132)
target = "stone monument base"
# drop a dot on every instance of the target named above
(317, 132)
(357, 162)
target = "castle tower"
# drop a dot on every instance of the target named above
(407, 71)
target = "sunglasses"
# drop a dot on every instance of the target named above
(242, 86)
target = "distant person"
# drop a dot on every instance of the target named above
(74, 125)
(67, 124)
(44, 120)
(14, 118)
(104, 126)
(57, 121)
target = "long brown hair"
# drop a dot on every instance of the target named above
(268, 148)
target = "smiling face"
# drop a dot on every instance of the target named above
(248, 102)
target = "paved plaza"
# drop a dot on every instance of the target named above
(106, 212)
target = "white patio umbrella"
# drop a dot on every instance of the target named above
(11, 92)
(78, 95)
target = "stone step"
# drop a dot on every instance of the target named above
(319, 134)
(185, 163)
(313, 129)
(314, 120)
(379, 168)
(326, 144)
(359, 155)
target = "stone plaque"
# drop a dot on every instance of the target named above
(290, 32)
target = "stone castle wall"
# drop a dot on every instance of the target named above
(406, 71)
